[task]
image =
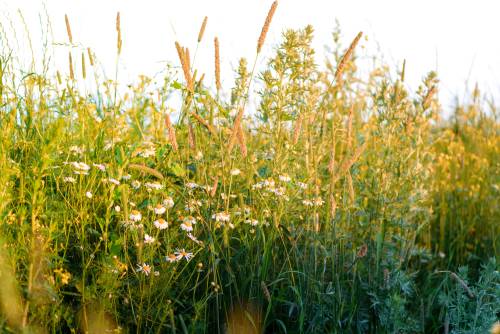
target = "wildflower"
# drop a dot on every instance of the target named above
(183, 254)
(101, 167)
(156, 273)
(198, 156)
(285, 178)
(148, 239)
(135, 216)
(172, 258)
(63, 275)
(192, 237)
(117, 208)
(168, 202)
(145, 268)
(191, 185)
(192, 205)
(69, 179)
(148, 152)
(126, 177)
(318, 201)
(81, 168)
(235, 172)
(111, 180)
(253, 222)
(135, 184)
(302, 185)
(221, 217)
(88, 194)
(307, 202)
(76, 150)
(187, 226)
(187, 223)
(159, 209)
(280, 191)
(160, 224)
(153, 185)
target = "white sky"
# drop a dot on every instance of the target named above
(459, 39)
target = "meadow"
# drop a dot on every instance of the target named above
(342, 204)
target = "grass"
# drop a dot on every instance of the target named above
(345, 204)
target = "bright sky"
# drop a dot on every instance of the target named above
(457, 38)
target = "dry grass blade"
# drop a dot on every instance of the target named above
(147, 170)
(202, 29)
(347, 56)
(265, 27)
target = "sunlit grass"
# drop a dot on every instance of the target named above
(344, 204)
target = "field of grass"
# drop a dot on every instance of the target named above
(343, 204)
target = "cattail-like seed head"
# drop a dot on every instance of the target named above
(84, 73)
(147, 170)
(426, 103)
(350, 187)
(265, 27)
(91, 58)
(217, 63)
(265, 291)
(191, 137)
(202, 29)
(347, 56)
(296, 130)
(349, 128)
(119, 34)
(183, 54)
(234, 133)
(68, 29)
(333, 205)
(241, 141)
(71, 73)
(464, 285)
(213, 191)
(171, 133)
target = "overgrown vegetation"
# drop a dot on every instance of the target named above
(345, 204)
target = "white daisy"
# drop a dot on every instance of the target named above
(145, 268)
(183, 254)
(168, 202)
(148, 239)
(160, 224)
(135, 216)
(159, 209)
